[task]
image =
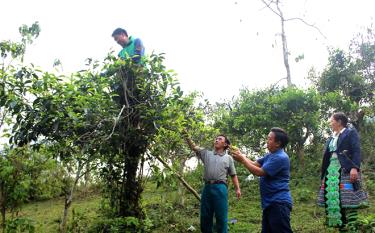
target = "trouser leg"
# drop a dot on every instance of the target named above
(206, 215)
(278, 218)
(220, 203)
(265, 221)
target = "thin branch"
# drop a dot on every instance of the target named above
(124, 86)
(273, 86)
(116, 121)
(3, 115)
(269, 7)
(87, 170)
(308, 24)
(191, 189)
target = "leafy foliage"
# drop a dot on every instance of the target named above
(347, 83)
(251, 116)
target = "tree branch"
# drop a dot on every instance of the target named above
(268, 5)
(275, 84)
(191, 189)
(308, 24)
(115, 123)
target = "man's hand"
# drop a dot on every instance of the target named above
(236, 154)
(185, 134)
(238, 193)
(188, 140)
(236, 186)
(254, 167)
(353, 175)
(232, 149)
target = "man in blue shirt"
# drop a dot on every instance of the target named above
(274, 172)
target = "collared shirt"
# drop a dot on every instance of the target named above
(216, 166)
(274, 186)
(333, 143)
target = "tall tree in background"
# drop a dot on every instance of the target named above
(276, 7)
(348, 81)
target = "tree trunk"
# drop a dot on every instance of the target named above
(134, 146)
(3, 211)
(131, 188)
(300, 151)
(357, 119)
(67, 204)
(87, 179)
(285, 47)
(181, 190)
(69, 199)
(3, 206)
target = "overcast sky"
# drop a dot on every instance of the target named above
(215, 46)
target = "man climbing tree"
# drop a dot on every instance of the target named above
(131, 47)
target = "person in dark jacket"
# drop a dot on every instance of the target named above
(341, 193)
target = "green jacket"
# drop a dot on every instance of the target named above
(134, 49)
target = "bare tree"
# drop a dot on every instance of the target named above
(274, 6)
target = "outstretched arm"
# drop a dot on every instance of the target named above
(192, 145)
(253, 167)
(190, 142)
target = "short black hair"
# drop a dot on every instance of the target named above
(280, 136)
(341, 117)
(226, 140)
(119, 31)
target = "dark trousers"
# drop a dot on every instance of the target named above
(276, 218)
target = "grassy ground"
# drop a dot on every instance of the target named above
(168, 216)
(306, 215)
(47, 214)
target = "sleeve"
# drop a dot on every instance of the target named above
(202, 154)
(325, 160)
(274, 165)
(121, 54)
(356, 147)
(138, 50)
(261, 160)
(232, 168)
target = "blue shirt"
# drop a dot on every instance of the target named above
(274, 186)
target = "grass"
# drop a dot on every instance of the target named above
(47, 214)
(306, 216)
(167, 215)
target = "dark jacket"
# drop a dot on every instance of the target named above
(348, 151)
